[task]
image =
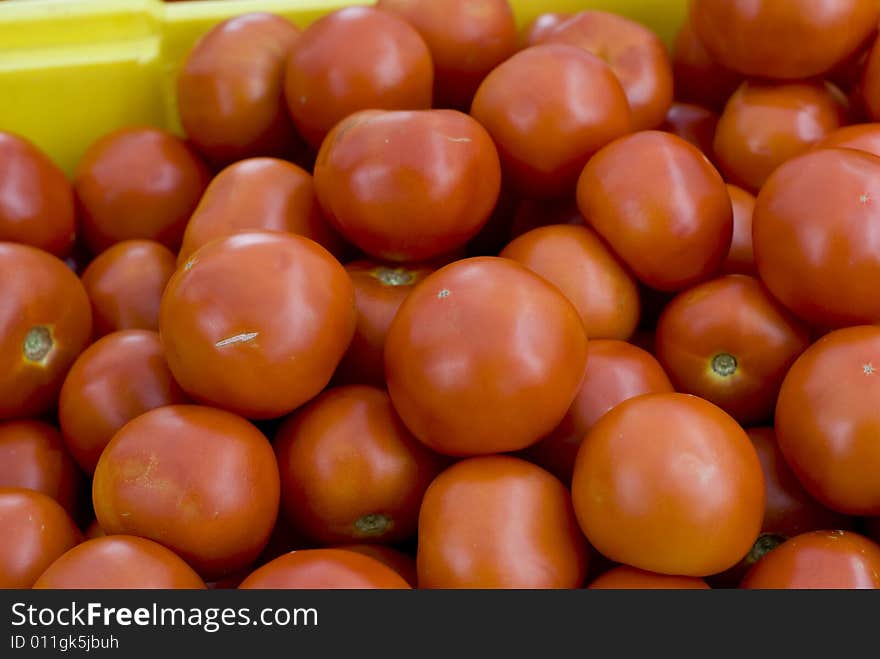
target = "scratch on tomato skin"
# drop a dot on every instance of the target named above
(238, 338)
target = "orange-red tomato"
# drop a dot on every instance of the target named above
(353, 59)
(33, 456)
(661, 206)
(541, 26)
(324, 569)
(741, 257)
(698, 77)
(36, 199)
(484, 356)
(499, 522)
(588, 274)
(125, 285)
(116, 379)
(616, 371)
(403, 564)
(119, 562)
(45, 322)
(36, 530)
(230, 89)
(256, 323)
(862, 137)
(350, 470)
(201, 481)
(693, 123)
(549, 108)
(625, 577)
(531, 214)
(408, 186)
(258, 194)
(669, 483)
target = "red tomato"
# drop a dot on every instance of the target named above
(408, 186)
(114, 380)
(862, 137)
(324, 569)
(499, 522)
(765, 125)
(818, 560)
(616, 371)
(661, 206)
(201, 481)
(258, 194)
(467, 39)
(125, 285)
(45, 322)
(815, 240)
(257, 322)
(698, 77)
(36, 199)
(531, 214)
(33, 456)
(549, 108)
(353, 59)
(784, 39)
(230, 89)
(692, 123)
(741, 257)
(635, 54)
(119, 562)
(484, 357)
(671, 484)
(625, 577)
(401, 563)
(541, 27)
(36, 530)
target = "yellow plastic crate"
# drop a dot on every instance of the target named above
(73, 70)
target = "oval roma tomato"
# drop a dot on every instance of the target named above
(731, 343)
(230, 89)
(818, 560)
(541, 26)
(669, 483)
(827, 416)
(36, 531)
(125, 285)
(625, 577)
(588, 274)
(499, 522)
(324, 569)
(36, 199)
(403, 564)
(467, 40)
(119, 562)
(45, 322)
(785, 39)
(116, 379)
(741, 257)
(693, 123)
(698, 77)
(616, 371)
(33, 456)
(350, 470)
(353, 59)
(436, 186)
(861, 137)
(256, 323)
(814, 236)
(661, 206)
(201, 481)
(138, 183)
(533, 106)
(636, 55)
(764, 125)
(484, 356)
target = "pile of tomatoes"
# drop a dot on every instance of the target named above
(422, 301)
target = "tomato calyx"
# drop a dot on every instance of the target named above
(37, 344)
(393, 276)
(373, 525)
(724, 364)
(765, 543)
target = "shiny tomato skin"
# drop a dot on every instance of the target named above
(437, 184)
(114, 380)
(125, 285)
(533, 106)
(693, 123)
(45, 322)
(661, 206)
(698, 77)
(403, 564)
(324, 569)
(201, 481)
(138, 183)
(616, 371)
(840, 560)
(353, 59)
(256, 323)
(541, 26)
(625, 577)
(230, 89)
(669, 483)
(36, 199)
(741, 257)
(499, 522)
(119, 562)
(484, 357)
(36, 531)
(861, 137)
